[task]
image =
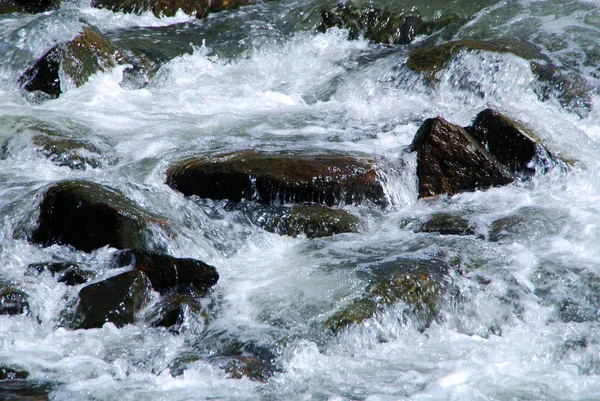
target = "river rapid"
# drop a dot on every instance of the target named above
(522, 319)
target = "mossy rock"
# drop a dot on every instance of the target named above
(312, 220)
(88, 216)
(527, 224)
(28, 6)
(70, 273)
(447, 224)
(279, 178)
(116, 300)
(79, 59)
(379, 25)
(418, 284)
(13, 301)
(165, 272)
(76, 154)
(168, 8)
(450, 160)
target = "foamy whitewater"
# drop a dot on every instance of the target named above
(262, 77)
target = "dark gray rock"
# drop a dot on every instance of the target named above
(13, 301)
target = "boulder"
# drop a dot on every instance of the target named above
(279, 178)
(379, 25)
(12, 300)
(165, 271)
(168, 8)
(70, 273)
(88, 216)
(312, 220)
(28, 6)
(416, 283)
(449, 161)
(512, 144)
(115, 300)
(78, 60)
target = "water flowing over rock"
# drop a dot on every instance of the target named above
(115, 300)
(78, 60)
(449, 161)
(445, 224)
(13, 301)
(165, 271)
(279, 178)
(87, 216)
(70, 273)
(379, 25)
(512, 144)
(417, 283)
(168, 8)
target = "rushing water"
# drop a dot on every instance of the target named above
(522, 322)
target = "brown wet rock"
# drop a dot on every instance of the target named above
(168, 8)
(449, 161)
(279, 178)
(79, 59)
(88, 216)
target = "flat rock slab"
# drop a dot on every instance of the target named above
(279, 178)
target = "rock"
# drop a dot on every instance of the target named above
(88, 216)
(7, 373)
(25, 390)
(114, 300)
(12, 300)
(512, 144)
(449, 161)
(417, 283)
(69, 273)
(28, 6)
(165, 272)
(78, 60)
(447, 224)
(76, 154)
(173, 308)
(274, 179)
(168, 8)
(240, 366)
(312, 220)
(379, 25)
(527, 224)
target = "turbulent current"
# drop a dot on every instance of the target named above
(520, 316)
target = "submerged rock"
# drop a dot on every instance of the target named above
(12, 300)
(449, 161)
(173, 308)
(70, 273)
(115, 300)
(379, 25)
(76, 154)
(417, 283)
(312, 220)
(447, 224)
(165, 271)
(88, 216)
(7, 373)
(240, 366)
(279, 178)
(78, 60)
(527, 224)
(168, 8)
